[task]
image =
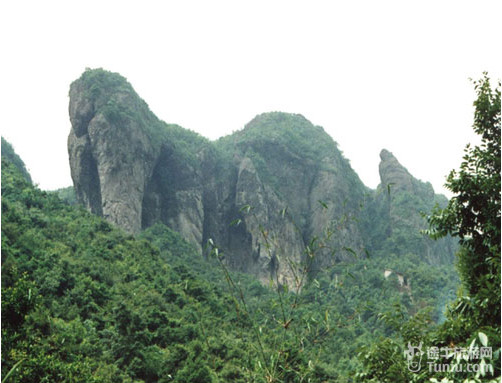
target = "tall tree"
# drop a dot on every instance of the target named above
(473, 215)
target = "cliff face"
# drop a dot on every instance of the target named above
(393, 174)
(261, 194)
(111, 155)
(402, 201)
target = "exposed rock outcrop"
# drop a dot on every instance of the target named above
(262, 194)
(393, 174)
(403, 200)
(111, 155)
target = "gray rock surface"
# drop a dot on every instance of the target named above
(111, 159)
(262, 195)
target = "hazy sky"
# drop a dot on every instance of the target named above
(374, 74)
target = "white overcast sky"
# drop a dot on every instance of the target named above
(374, 74)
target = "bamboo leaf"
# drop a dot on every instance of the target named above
(12, 370)
(323, 204)
(483, 338)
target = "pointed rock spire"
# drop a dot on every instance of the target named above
(393, 175)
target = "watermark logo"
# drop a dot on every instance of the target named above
(414, 357)
(450, 359)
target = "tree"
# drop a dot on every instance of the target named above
(473, 214)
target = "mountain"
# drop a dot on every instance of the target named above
(84, 301)
(393, 219)
(262, 194)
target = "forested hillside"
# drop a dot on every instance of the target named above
(9, 153)
(83, 301)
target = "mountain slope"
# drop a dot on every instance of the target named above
(83, 301)
(9, 153)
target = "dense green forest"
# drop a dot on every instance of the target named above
(82, 301)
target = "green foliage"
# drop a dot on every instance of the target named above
(338, 312)
(473, 214)
(473, 319)
(289, 130)
(9, 153)
(67, 194)
(84, 301)
(284, 138)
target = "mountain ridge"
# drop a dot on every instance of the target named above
(136, 170)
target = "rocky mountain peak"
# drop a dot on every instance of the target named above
(393, 175)
(136, 171)
(111, 153)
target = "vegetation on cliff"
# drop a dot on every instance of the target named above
(114, 97)
(83, 301)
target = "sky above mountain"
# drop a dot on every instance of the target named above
(387, 74)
